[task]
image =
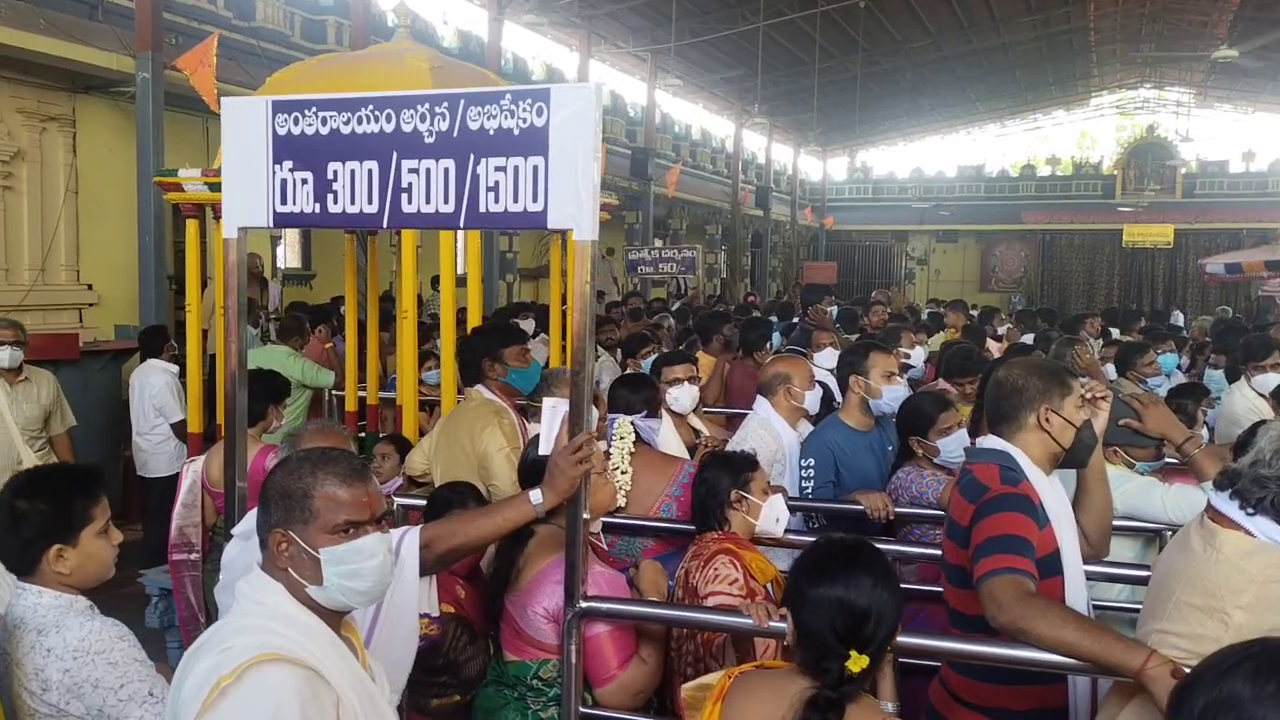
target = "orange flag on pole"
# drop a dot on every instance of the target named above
(829, 222)
(200, 65)
(808, 214)
(673, 178)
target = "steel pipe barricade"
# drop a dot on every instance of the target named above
(933, 647)
(1113, 572)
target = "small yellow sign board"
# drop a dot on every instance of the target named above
(1158, 237)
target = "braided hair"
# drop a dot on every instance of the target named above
(842, 597)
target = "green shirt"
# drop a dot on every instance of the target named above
(305, 377)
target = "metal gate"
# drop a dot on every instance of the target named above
(866, 261)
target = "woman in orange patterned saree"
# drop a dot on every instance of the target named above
(723, 569)
(843, 607)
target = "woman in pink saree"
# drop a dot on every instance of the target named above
(197, 532)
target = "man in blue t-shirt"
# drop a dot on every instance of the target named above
(848, 456)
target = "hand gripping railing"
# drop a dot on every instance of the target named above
(911, 647)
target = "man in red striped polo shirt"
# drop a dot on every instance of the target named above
(1014, 547)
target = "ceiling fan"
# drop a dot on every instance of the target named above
(1235, 54)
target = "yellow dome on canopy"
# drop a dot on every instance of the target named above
(400, 65)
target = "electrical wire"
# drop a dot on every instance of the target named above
(57, 223)
(726, 33)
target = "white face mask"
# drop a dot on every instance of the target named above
(774, 516)
(355, 574)
(683, 399)
(1204, 432)
(834, 310)
(254, 331)
(826, 358)
(11, 357)
(1264, 383)
(915, 357)
(1110, 370)
(812, 399)
(527, 325)
(891, 398)
(951, 449)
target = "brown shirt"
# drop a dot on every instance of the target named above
(41, 411)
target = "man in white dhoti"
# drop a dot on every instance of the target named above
(288, 649)
(388, 626)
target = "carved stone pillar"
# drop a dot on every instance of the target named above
(8, 149)
(26, 251)
(63, 267)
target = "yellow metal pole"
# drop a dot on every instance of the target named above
(195, 341)
(449, 322)
(351, 331)
(220, 328)
(475, 279)
(407, 339)
(556, 280)
(373, 358)
(572, 277)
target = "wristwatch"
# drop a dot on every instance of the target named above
(535, 498)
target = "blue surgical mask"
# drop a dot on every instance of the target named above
(646, 365)
(916, 373)
(1158, 385)
(891, 398)
(1145, 468)
(525, 379)
(1216, 380)
(776, 342)
(431, 377)
(1168, 362)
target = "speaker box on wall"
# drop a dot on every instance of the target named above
(642, 164)
(764, 197)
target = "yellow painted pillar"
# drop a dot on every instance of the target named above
(373, 358)
(475, 278)
(449, 323)
(407, 337)
(219, 327)
(570, 273)
(351, 330)
(556, 281)
(193, 311)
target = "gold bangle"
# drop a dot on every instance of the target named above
(1195, 452)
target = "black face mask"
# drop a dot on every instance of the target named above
(1077, 456)
(635, 314)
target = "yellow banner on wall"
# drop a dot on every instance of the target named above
(1158, 237)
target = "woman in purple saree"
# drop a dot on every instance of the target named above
(197, 531)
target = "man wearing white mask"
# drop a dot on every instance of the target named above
(35, 418)
(271, 557)
(684, 433)
(788, 395)
(849, 455)
(1245, 402)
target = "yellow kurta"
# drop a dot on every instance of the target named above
(483, 441)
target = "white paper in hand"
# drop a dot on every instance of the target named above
(554, 413)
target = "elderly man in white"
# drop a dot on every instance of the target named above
(788, 395)
(388, 625)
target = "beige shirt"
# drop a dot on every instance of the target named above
(484, 442)
(1241, 407)
(41, 411)
(1211, 587)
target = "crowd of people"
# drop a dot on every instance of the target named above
(1031, 433)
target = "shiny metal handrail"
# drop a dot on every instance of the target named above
(935, 517)
(1114, 572)
(918, 645)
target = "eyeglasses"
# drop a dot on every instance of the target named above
(16, 344)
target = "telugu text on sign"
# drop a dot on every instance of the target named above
(475, 159)
(664, 261)
(1147, 236)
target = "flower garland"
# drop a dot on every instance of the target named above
(622, 445)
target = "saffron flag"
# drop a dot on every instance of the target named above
(673, 178)
(808, 214)
(745, 199)
(829, 222)
(200, 65)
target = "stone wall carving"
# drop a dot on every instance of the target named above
(39, 210)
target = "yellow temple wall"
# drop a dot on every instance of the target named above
(954, 270)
